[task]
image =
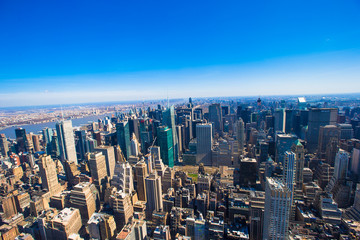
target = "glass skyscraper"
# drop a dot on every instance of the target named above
(165, 140)
(123, 138)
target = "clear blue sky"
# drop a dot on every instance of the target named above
(85, 51)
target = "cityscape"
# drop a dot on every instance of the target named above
(179, 120)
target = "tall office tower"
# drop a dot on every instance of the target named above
(123, 177)
(36, 142)
(280, 116)
(167, 180)
(101, 226)
(154, 200)
(123, 137)
(341, 165)
(55, 146)
(299, 151)
(82, 198)
(141, 174)
(21, 140)
(240, 134)
(71, 171)
(81, 146)
(283, 144)
(277, 210)
(49, 178)
(97, 165)
(47, 137)
(180, 135)
(326, 134)
(120, 202)
(225, 110)
(319, 117)
(66, 141)
(257, 205)
(215, 116)
(165, 140)
(134, 125)
(169, 121)
(135, 145)
(289, 177)
(4, 145)
(204, 143)
(29, 146)
(109, 153)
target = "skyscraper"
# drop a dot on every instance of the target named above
(299, 151)
(204, 143)
(154, 200)
(341, 165)
(81, 145)
(165, 140)
(141, 174)
(97, 165)
(123, 137)
(277, 210)
(240, 134)
(169, 121)
(109, 153)
(123, 177)
(4, 145)
(319, 117)
(48, 174)
(65, 135)
(280, 120)
(215, 116)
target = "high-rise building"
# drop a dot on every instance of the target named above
(123, 177)
(135, 145)
(154, 200)
(48, 174)
(36, 142)
(289, 177)
(97, 165)
(165, 140)
(81, 146)
(4, 145)
(120, 202)
(215, 116)
(240, 134)
(109, 153)
(169, 121)
(299, 151)
(203, 143)
(83, 198)
(63, 224)
(326, 135)
(167, 179)
(277, 210)
(141, 174)
(341, 165)
(123, 138)
(319, 117)
(21, 140)
(283, 144)
(101, 226)
(65, 135)
(280, 116)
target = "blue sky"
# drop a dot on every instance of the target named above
(54, 52)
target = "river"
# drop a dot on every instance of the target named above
(36, 128)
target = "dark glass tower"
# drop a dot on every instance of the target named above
(123, 138)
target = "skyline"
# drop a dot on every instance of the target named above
(55, 55)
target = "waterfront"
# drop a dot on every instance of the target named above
(36, 128)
